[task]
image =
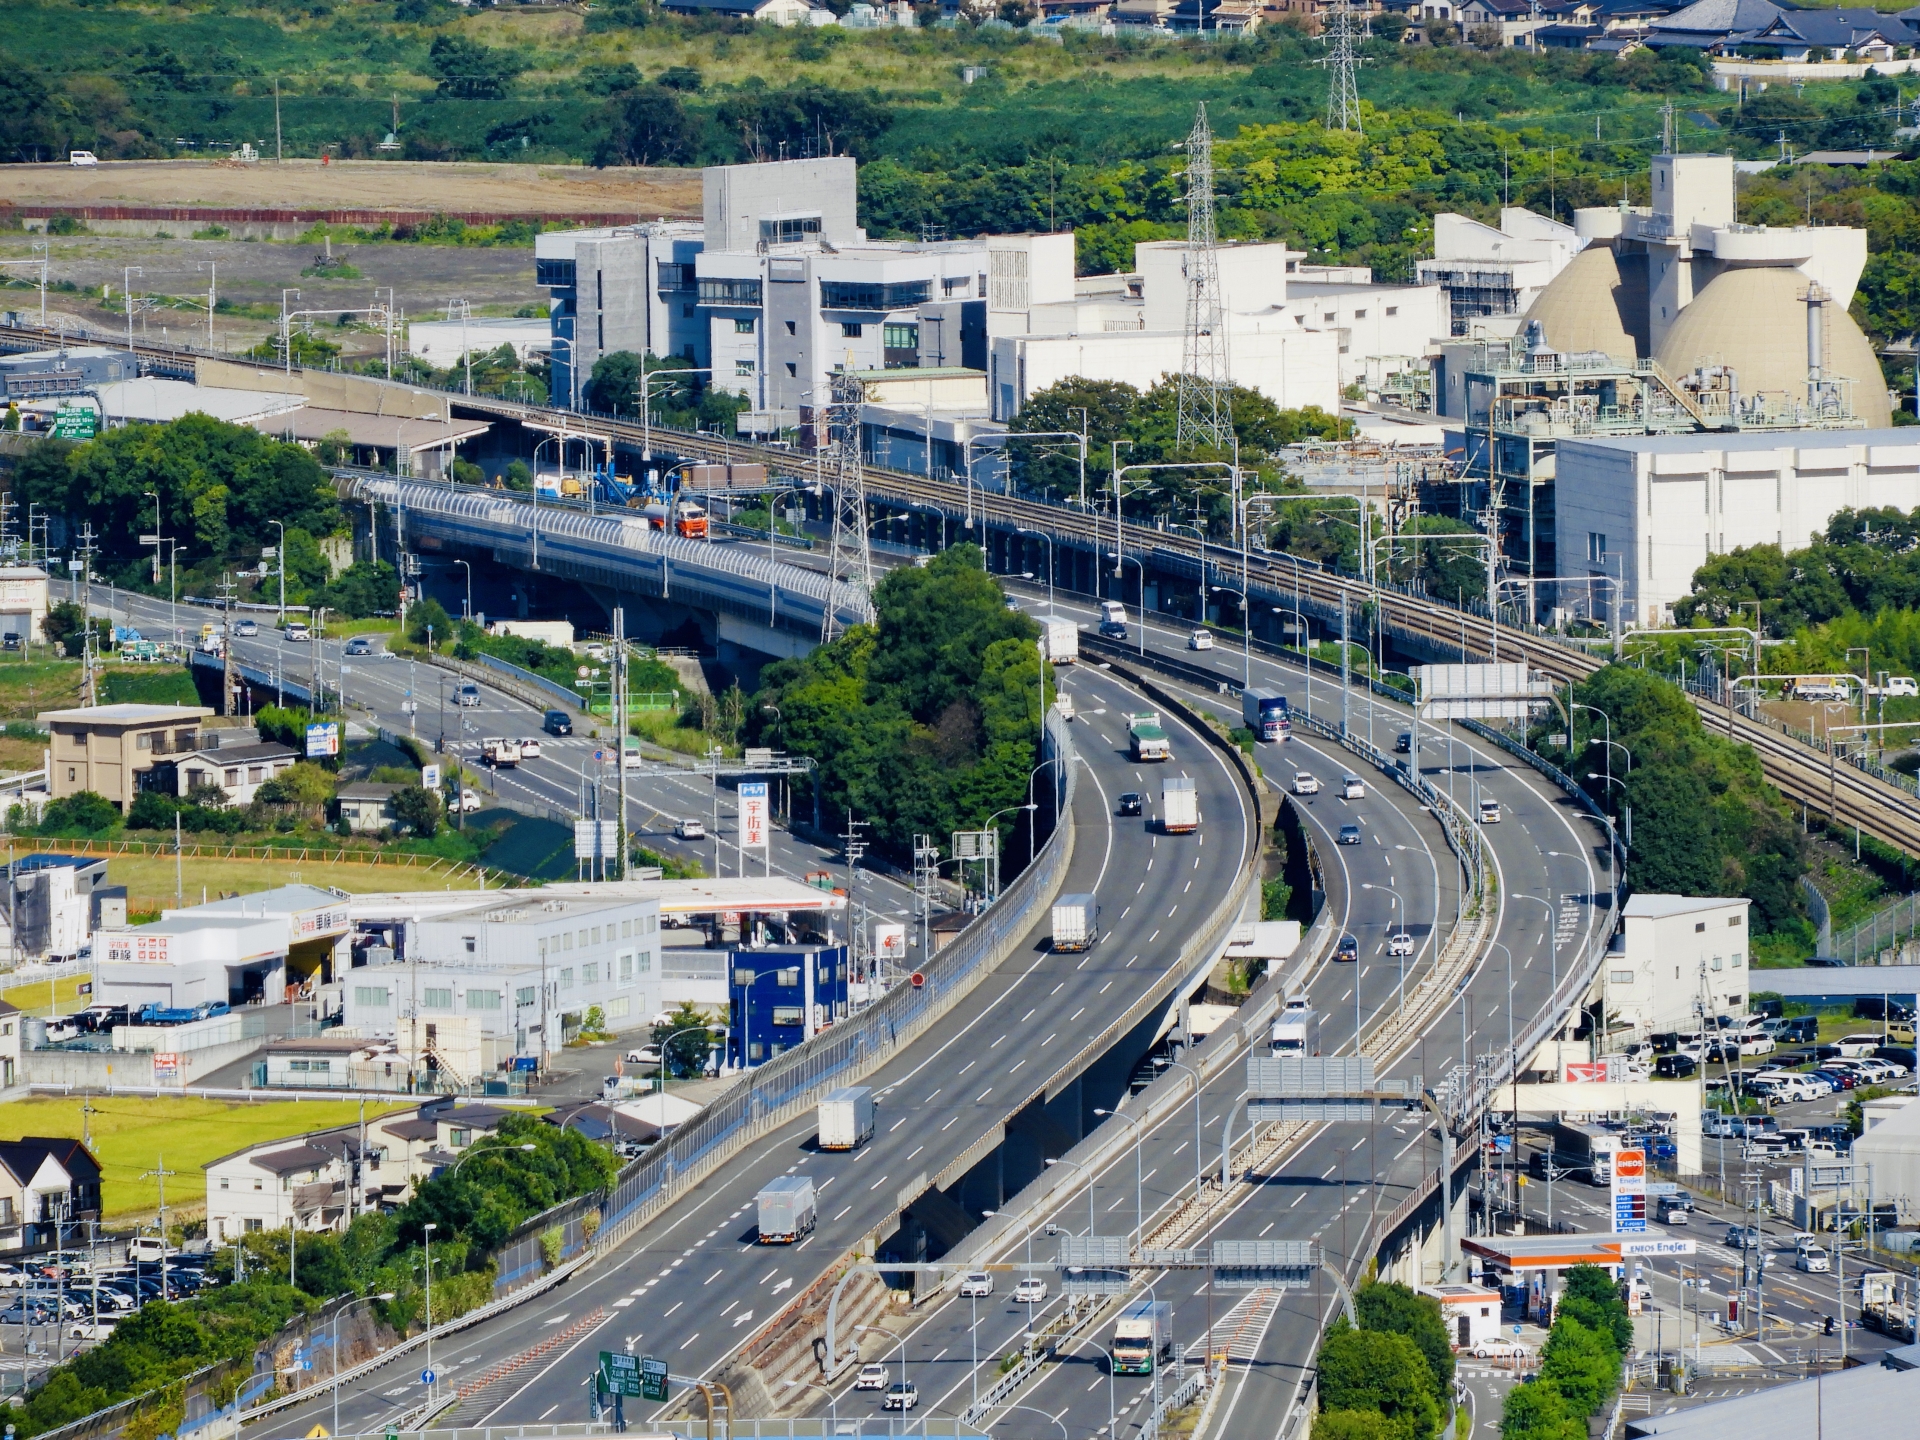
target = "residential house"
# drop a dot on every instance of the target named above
(320, 1181)
(367, 807)
(1853, 33)
(238, 770)
(11, 1028)
(48, 1189)
(771, 12)
(110, 749)
(1713, 24)
(1514, 20)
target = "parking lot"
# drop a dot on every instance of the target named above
(53, 1305)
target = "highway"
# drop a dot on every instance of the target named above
(377, 688)
(1342, 1180)
(694, 1286)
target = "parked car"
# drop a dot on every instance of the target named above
(90, 1330)
(1675, 1067)
(1500, 1350)
(901, 1396)
(1131, 802)
(1305, 784)
(872, 1377)
(469, 801)
(976, 1284)
(557, 722)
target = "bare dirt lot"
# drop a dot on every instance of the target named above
(530, 190)
(494, 280)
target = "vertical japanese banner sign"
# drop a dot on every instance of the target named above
(753, 821)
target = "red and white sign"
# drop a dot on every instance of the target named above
(1631, 1166)
(133, 947)
(753, 815)
(890, 942)
(1585, 1073)
(166, 1065)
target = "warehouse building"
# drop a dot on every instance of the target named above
(1677, 963)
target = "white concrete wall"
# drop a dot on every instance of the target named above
(1293, 370)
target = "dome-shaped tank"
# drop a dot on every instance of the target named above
(1599, 302)
(1756, 322)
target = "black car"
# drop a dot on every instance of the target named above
(1798, 1030)
(1349, 834)
(1113, 629)
(1675, 1067)
(557, 722)
(1347, 952)
(1131, 802)
(1404, 745)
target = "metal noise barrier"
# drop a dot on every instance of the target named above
(1271, 1077)
(778, 1090)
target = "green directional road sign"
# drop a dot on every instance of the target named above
(620, 1373)
(653, 1378)
(74, 422)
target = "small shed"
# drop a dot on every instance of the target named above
(1471, 1312)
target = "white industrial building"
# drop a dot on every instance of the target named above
(445, 343)
(188, 960)
(1492, 274)
(1677, 962)
(1647, 511)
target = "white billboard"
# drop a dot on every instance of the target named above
(1480, 692)
(754, 819)
(890, 942)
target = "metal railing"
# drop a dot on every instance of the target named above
(778, 1090)
(1889, 925)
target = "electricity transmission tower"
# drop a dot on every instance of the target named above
(851, 560)
(1206, 412)
(1344, 28)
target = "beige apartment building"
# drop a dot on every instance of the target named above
(107, 748)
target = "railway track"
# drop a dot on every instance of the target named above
(1805, 775)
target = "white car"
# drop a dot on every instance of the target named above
(1351, 788)
(1401, 944)
(1854, 1047)
(1031, 1291)
(872, 1377)
(975, 1284)
(1305, 784)
(467, 695)
(1489, 812)
(1499, 1350)
(1812, 1259)
(297, 631)
(645, 1055)
(469, 801)
(529, 749)
(690, 830)
(1200, 640)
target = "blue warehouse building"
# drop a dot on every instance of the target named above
(779, 998)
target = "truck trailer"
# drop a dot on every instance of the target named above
(1142, 1336)
(786, 1212)
(1147, 740)
(1590, 1148)
(846, 1118)
(1076, 922)
(1179, 805)
(1296, 1029)
(1267, 716)
(1059, 639)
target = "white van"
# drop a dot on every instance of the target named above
(82, 157)
(146, 1249)
(1489, 812)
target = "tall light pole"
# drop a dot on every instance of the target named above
(126, 298)
(1394, 896)
(281, 555)
(428, 1230)
(1139, 1191)
(1081, 1167)
(149, 494)
(467, 614)
(1023, 530)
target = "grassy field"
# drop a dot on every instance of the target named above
(150, 878)
(63, 994)
(133, 1136)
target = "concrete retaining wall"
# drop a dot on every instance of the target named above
(101, 1070)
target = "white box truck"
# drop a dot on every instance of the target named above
(1059, 639)
(1179, 805)
(1296, 1029)
(786, 1210)
(1076, 922)
(846, 1118)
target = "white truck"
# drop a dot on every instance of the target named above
(1142, 1336)
(500, 753)
(786, 1212)
(1296, 1029)
(1076, 922)
(1059, 639)
(846, 1118)
(1179, 805)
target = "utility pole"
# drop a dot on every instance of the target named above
(851, 562)
(227, 677)
(620, 723)
(277, 156)
(160, 1172)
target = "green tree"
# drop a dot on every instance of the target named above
(1592, 1298)
(1540, 1412)
(1381, 1371)
(417, 809)
(1355, 1425)
(646, 125)
(152, 810)
(1581, 1364)
(83, 813)
(614, 386)
(66, 621)
(686, 1053)
(428, 615)
(364, 588)
(468, 70)
(1396, 1309)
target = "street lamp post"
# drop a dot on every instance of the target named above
(1394, 896)
(1082, 1168)
(1023, 530)
(467, 614)
(427, 1231)
(1119, 560)
(280, 555)
(1139, 1190)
